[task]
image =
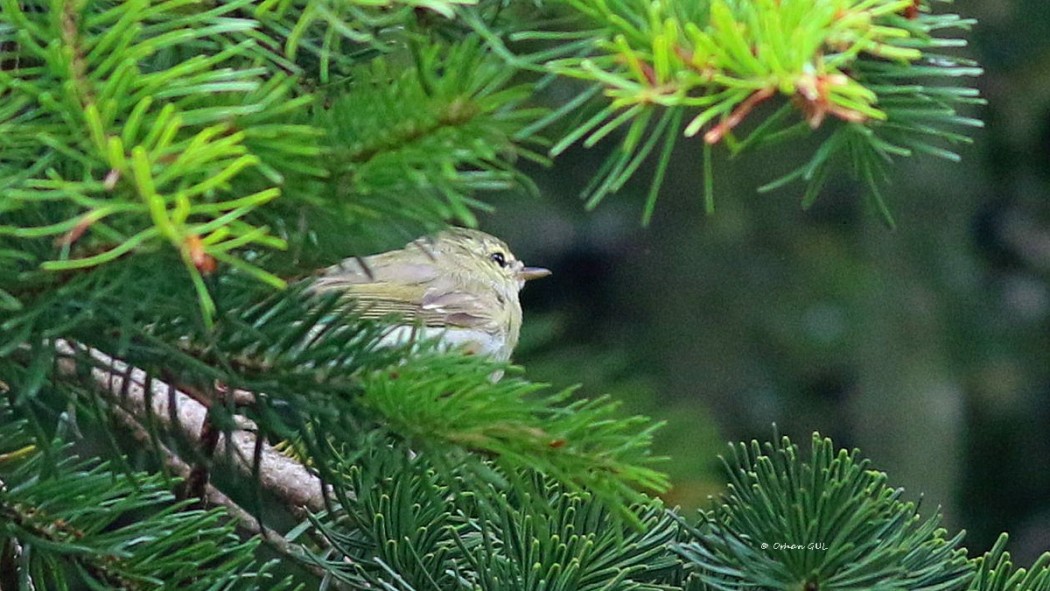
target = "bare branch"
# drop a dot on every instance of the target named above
(286, 478)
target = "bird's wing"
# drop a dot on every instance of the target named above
(478, 310)
(415, 291)
(380, 268)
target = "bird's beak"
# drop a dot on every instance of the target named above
(528, 273)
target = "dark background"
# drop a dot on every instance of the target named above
(927, 347)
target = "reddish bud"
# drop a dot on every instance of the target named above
(912, 11)
(204, 262)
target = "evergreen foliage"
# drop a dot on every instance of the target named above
(823, 522)
(171, 170)
(62, 518)
(871, 64)
(995, 572)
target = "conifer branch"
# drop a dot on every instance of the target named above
(823, 520)
(873, 66)
(152, 163)
(413, 132)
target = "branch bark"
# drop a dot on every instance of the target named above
(289, 480)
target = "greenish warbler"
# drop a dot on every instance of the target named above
(460, 286)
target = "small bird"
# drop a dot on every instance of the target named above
(460, 286)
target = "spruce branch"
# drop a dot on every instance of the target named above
(437, 400)
(422, 531)
(827, 521)
(446, 125)
(137, 152)
(572, 543)
(874, 66)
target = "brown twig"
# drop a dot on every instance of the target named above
(717, 132)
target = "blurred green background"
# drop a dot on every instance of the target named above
(927, 347)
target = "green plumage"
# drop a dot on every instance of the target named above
(462, 282)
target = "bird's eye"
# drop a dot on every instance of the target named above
(499, 258)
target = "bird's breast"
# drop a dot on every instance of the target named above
(468, 340)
